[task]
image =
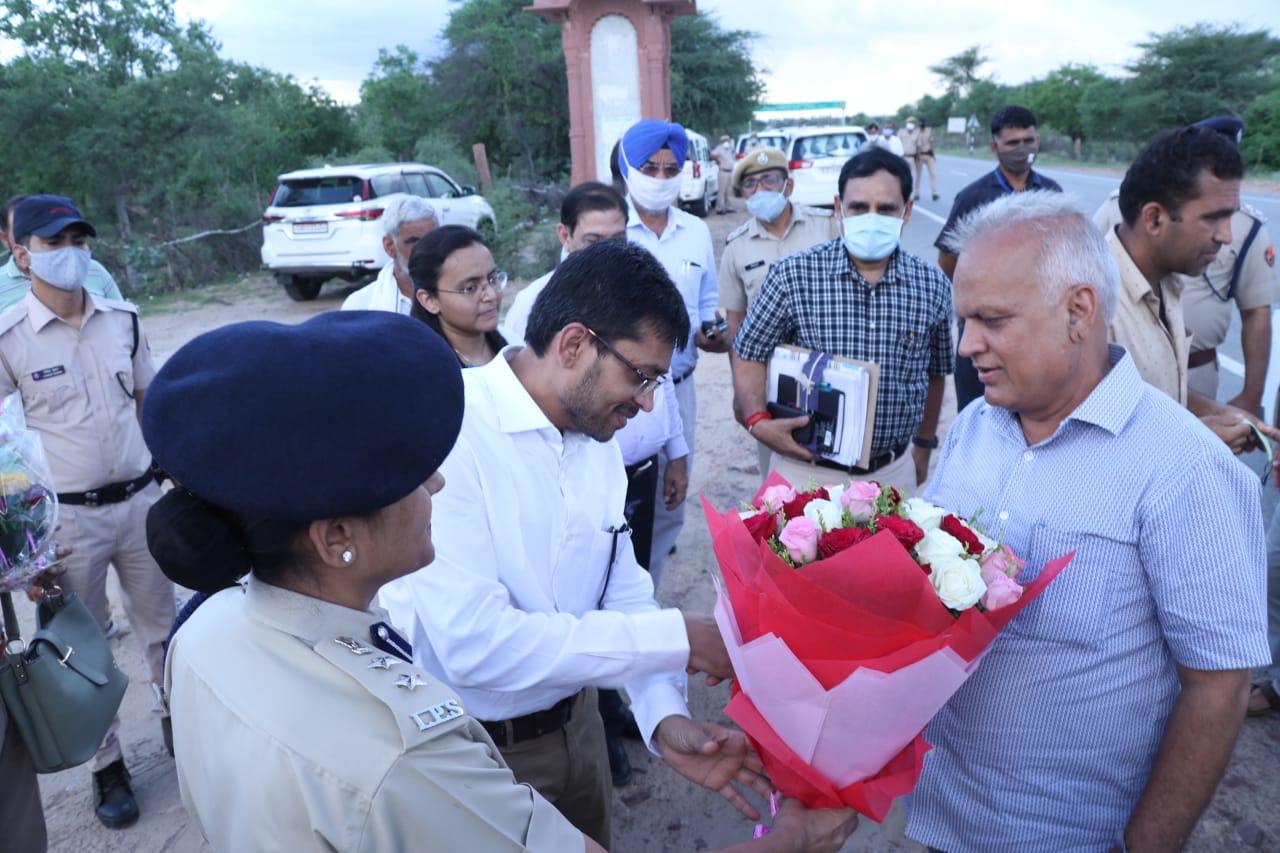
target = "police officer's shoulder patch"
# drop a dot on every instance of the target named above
(815, 212)
(12, 317)
(737, 232)
(421, 705)
(1250, 210)
(1270, 256)
(116, 304)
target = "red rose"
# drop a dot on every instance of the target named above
(762, 525)
(795, 507)
(967, 537)
(907, 531)
(840, 538)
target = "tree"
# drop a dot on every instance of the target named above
(501, 81)
(959, 73)
(398, 102)
(715, 85)
(1055, 99)
(1194, 72)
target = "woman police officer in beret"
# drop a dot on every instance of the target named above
(298, 721)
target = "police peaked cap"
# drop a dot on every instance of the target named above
(339, 416)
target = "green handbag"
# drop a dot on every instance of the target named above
(62, 688)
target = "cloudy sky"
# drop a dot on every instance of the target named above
(873, 55)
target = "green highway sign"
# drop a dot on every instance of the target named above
(811, 105)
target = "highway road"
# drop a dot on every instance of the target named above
(1092, 189)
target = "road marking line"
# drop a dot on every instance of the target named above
(941, 220)
(1230, 365)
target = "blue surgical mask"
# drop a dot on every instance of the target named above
(871, 236)
(766, 206)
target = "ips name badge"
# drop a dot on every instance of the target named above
(436, 714)
(48, 373)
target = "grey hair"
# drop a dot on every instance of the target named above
(408, 208)
(1072, 250)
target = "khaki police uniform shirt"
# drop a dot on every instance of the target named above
(750, 250)
(1159, 347)
(292, 732)
(78, 388)
(1207, 314)
(910, 141)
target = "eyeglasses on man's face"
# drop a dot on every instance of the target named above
(646, 384)
(496, 279)
(771, 181)
(660, 170)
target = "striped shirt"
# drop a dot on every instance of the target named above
(817, 299)
(1050, 743)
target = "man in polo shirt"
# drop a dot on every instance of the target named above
(777, 228)
(1015, 143)
(859, 297)
(82, 366)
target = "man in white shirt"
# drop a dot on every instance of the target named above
(405, 221)
(535, 597)
(651, 157)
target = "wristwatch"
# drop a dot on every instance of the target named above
(927, 443)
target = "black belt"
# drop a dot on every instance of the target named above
(874, 465)
(112, 493)
(1201, 357)
(682, 377)
(530, 726)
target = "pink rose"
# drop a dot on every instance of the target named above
(800, 538)
(860, 499)
(1001, 590)
(1002, 560)
(774, 497)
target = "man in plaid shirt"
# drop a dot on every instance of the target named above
(861, 297)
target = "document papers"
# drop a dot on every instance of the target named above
(839, 393)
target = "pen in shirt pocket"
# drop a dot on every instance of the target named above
(687, 267)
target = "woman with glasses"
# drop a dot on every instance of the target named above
(457, 290)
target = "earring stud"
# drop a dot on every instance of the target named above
(347, 556)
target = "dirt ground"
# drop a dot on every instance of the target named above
(658, 812)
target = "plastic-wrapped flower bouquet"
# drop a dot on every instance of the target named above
(851, 617)
(28, 503)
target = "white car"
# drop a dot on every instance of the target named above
(700, 185)
(323, 223)
(815, 157)
(765, 139)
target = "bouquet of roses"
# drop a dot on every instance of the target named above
(851, 616)
(28, 503)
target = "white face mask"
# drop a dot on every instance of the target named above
(65, 268)
(911, 126)
(872, 236)
(651, 194)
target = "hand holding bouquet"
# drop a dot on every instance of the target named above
(28, 503)
(851, 616)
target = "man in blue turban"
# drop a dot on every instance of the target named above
(651, 159)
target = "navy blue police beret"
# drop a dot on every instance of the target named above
(338, 416)
(1229, 126)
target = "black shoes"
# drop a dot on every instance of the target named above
(113, 797)
(619, 763)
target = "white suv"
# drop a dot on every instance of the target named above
(815, 157)
(700, 183)
(323, 223)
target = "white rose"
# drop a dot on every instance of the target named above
(938, 545)
(958, 581)
(834, 493)
(925, 514)
(988, 544)
(825, 514)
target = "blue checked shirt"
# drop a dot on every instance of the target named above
(818, 300)
(1051, 742)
